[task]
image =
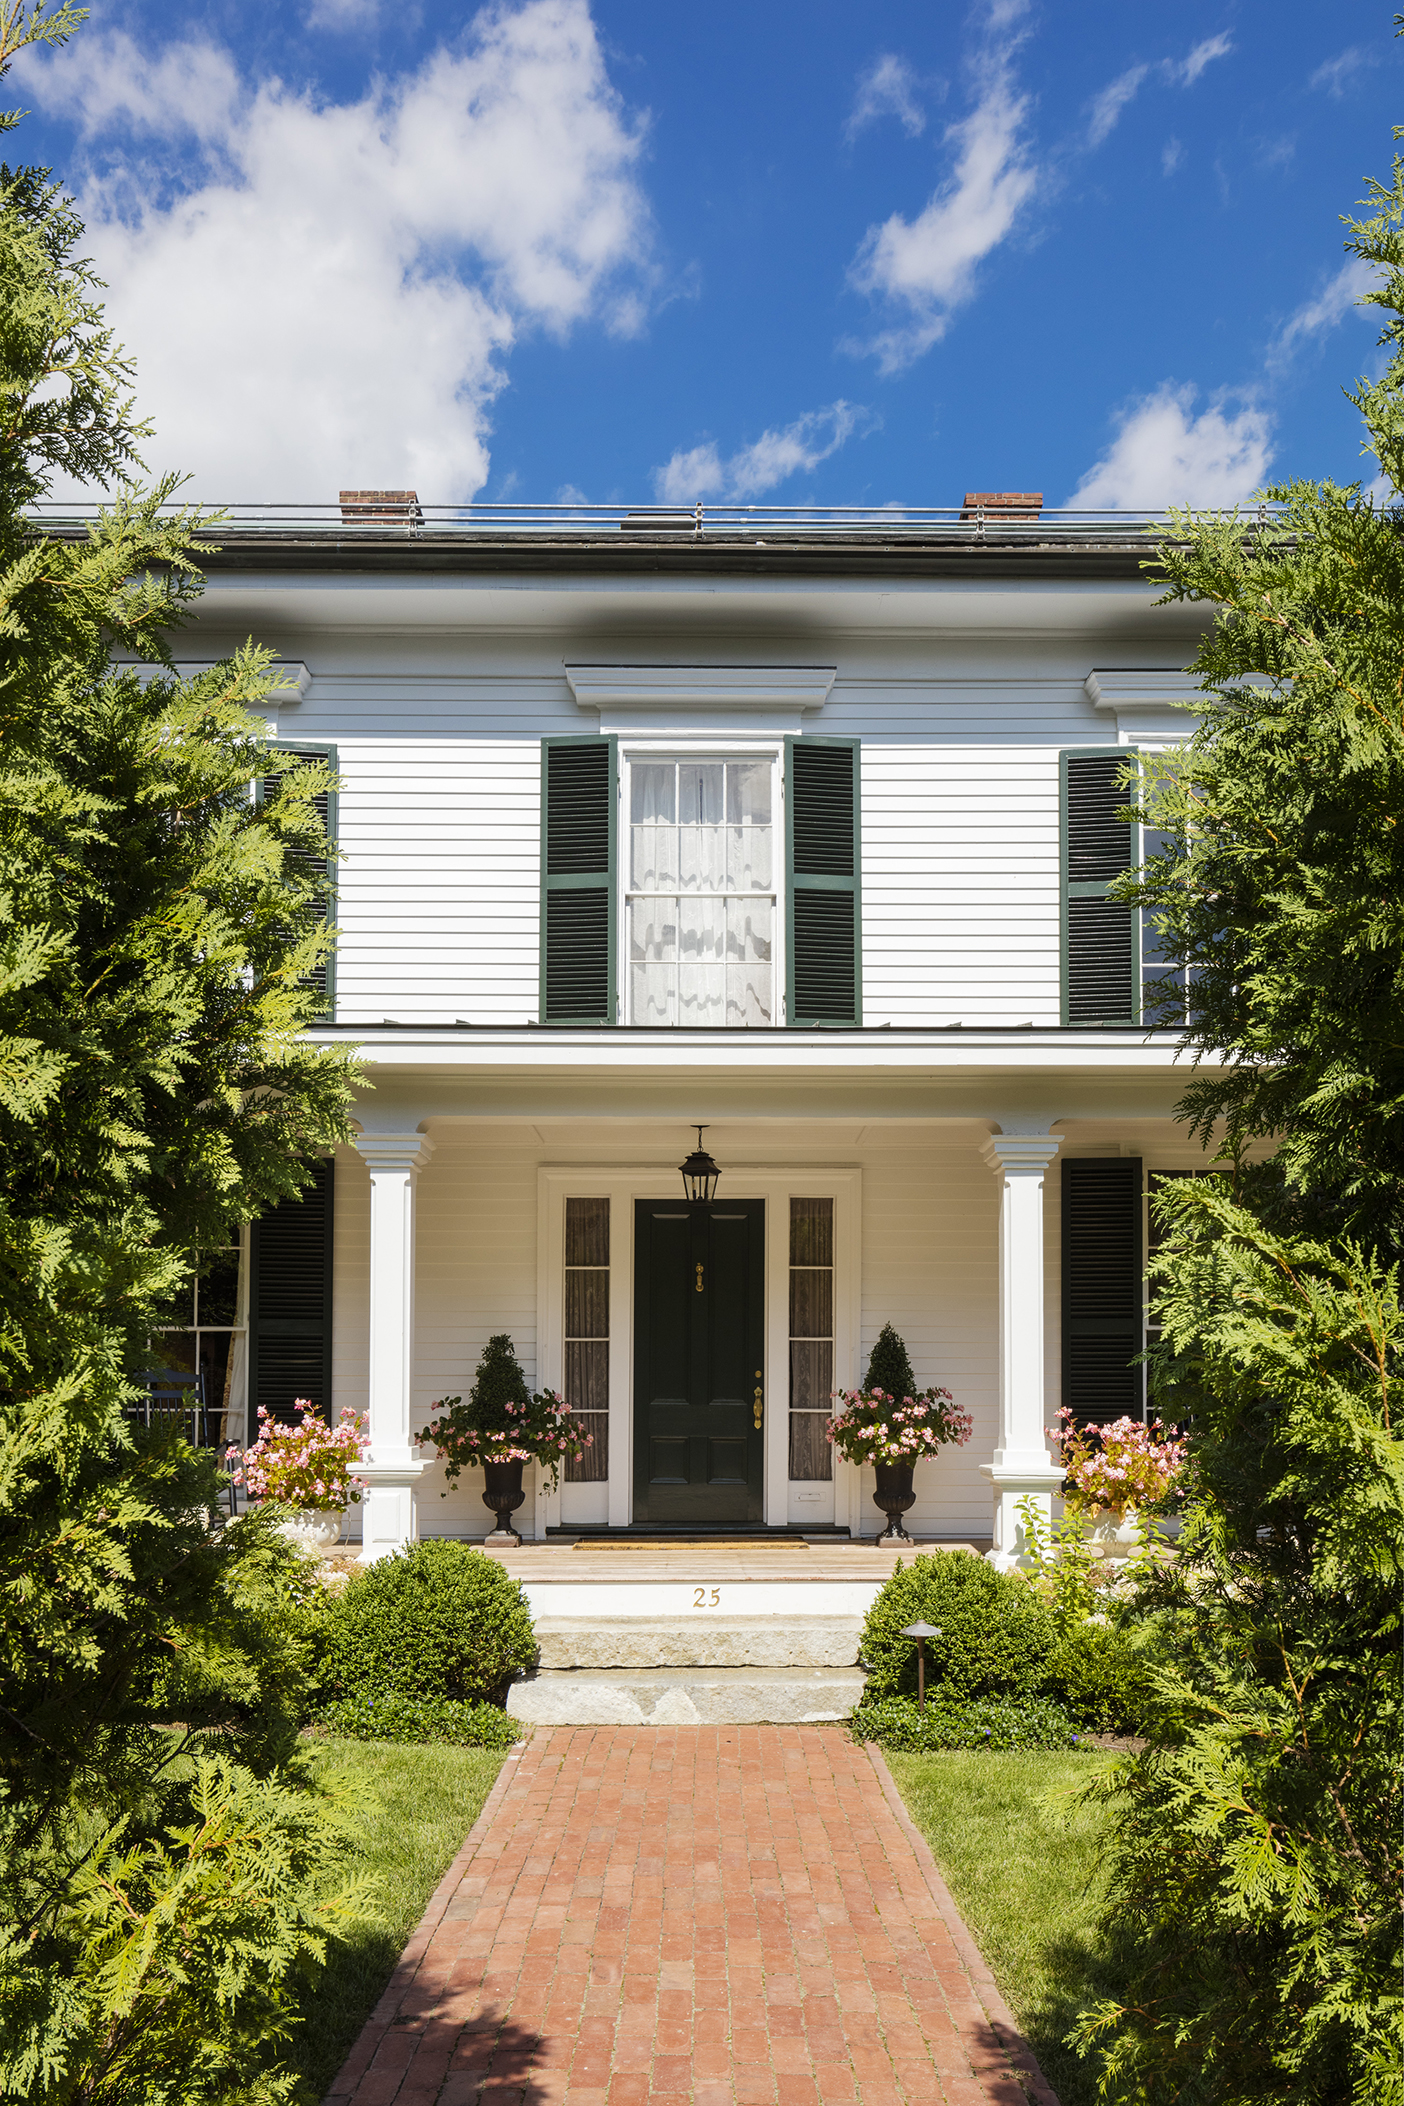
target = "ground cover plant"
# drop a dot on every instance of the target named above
(446, 1721)
(416, 1805)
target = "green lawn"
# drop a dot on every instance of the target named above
(424, 1800)
(1027, 1877)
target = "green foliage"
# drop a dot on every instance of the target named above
(889, 1367)
(172, 1970)
(1257, 1840)
(447, 1720)
(1282, 877)
(1103, 1679)
(976, 1723)
(997, 1638)
(435, 1619)
(498, 1384)
(166, 1864)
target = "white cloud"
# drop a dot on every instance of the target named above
(927, 265)
(888, 88)
(1330, 306)
(1171, 155)
(1335, 73)
(342, 14)
(1163, 454)
(1105, 108)
(330, 301)
(700, 472)
(1203, 54)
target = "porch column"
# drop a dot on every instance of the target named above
(394, 1466)
(1020, 1467)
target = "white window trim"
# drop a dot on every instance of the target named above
(720, 746)
(776, 1184)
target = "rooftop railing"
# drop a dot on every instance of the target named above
(755, 524)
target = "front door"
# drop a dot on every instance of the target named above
(699, 1328)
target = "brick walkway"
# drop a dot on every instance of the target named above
(691, 1916)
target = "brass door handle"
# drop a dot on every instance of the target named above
(699, 1279)
(758, 1406)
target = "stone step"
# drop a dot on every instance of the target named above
(698, 1641)
(687, 1696)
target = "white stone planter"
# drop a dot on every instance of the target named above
(1114, 1533)
(316, 1529)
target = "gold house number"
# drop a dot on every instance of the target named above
(699, 1598)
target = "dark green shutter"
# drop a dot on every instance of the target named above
(579, 801)
(823, 894)
(1101, 947)
(323, 978)
(290, 1301)
(1103, 1287)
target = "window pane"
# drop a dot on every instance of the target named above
(811, 1303)
(811, 1374)
(748, 793)
(749, 974)
(587, 1375)
(172, 1351)
(587, 1232)
(218, 1288)
(653, 793)
(811, 1453)
(653, 950)
(811, 1232)
(179, 1309)
(587, 1304)
(700, 793)
(593, 1466)
(702, 961)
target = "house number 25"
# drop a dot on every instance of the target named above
(700, 1601)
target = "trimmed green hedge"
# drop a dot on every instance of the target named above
(998, 1639)
(1029, 1722)
(433, 1620)
(1102, 1679)
(405, 1718)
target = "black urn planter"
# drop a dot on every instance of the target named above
(894, 1494)
(504, 1494)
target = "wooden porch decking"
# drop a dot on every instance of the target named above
(711, 1560)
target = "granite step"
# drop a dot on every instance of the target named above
(800, 1641)
(685, 1696)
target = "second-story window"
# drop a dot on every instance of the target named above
(700, 904)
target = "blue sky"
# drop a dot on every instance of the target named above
(776, 251)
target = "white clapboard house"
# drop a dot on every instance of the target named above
(797, 826)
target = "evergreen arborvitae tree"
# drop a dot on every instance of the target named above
(889, 1368)
(1254, 1847)
(164, 1862)
(498, 1383)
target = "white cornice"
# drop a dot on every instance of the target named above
(703, 688)
(1148, 704)
(293, 678)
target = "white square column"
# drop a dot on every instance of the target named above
(394, 1465)
(1020, 1467)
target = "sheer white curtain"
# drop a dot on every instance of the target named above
(701, 903)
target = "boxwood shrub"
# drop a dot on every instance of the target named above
(998, 1639)
(1102, 1679)
(435, 1619)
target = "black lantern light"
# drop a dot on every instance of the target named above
(699, 1174)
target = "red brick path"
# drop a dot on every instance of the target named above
(691, 1916)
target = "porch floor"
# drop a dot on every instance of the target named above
(710, 1560)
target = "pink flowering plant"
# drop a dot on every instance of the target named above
(308, 1464)
(1125, 1464)
(877, 1426)
(503, 1421)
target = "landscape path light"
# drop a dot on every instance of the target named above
(921, 1632)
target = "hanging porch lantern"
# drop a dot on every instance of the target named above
(700, 1174)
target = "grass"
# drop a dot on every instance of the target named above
(421, 1803)
(1027, 1875)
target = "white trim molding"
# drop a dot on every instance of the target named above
(394, 1466)
(1020, 1467)
(1149, 704)
(293, 678)
(734, 700)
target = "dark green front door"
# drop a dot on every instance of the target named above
(699, 1327)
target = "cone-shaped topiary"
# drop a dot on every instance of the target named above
(498, 1383)
(890, 1369)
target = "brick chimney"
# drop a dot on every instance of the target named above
(381, 508)
(1003, 504)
